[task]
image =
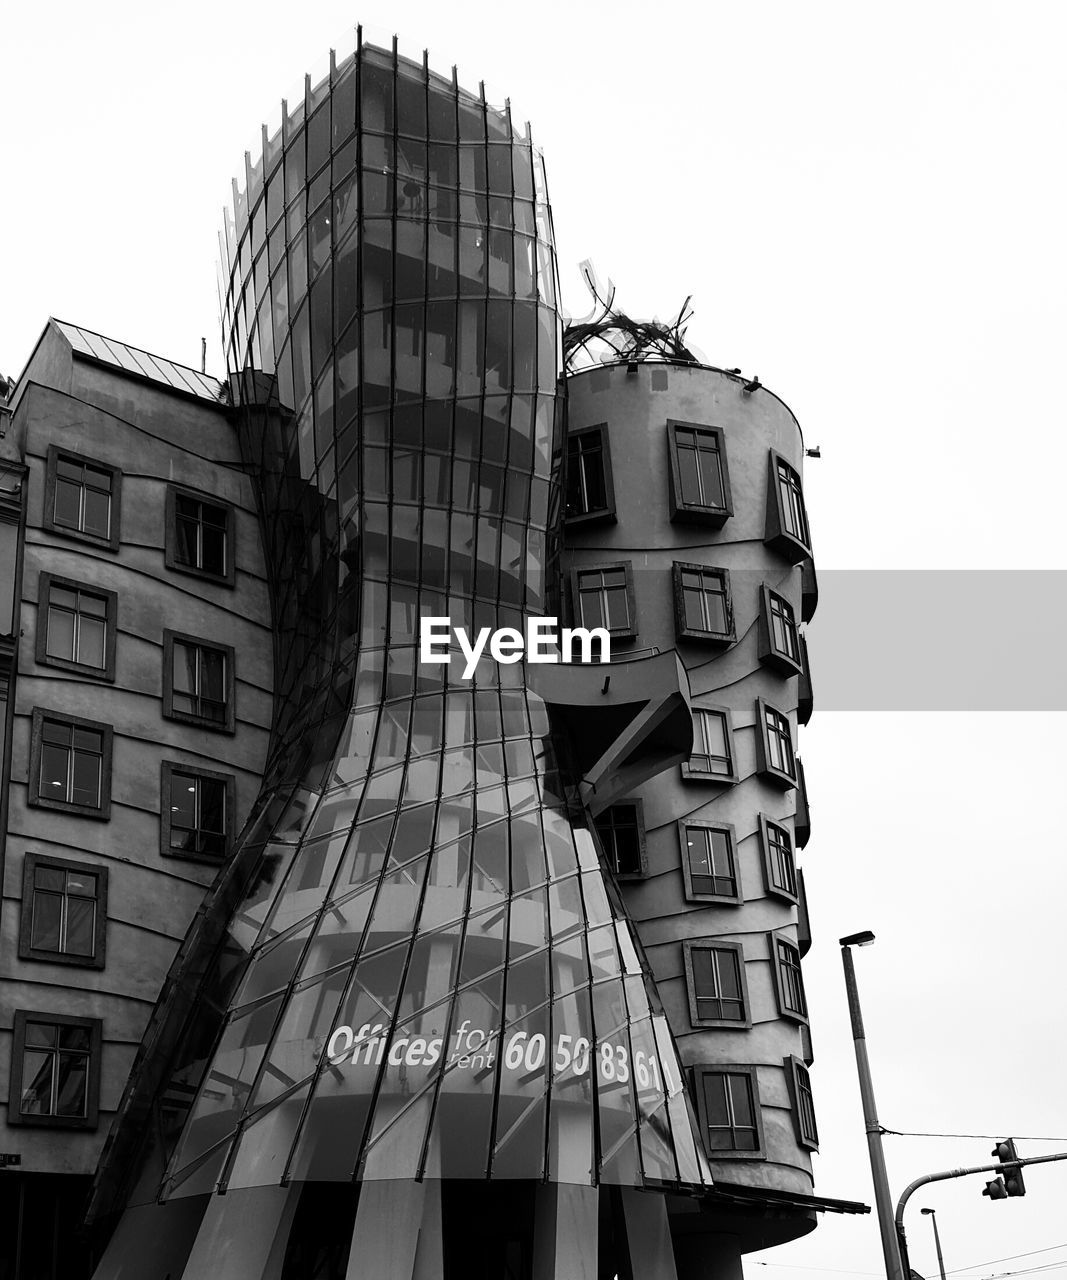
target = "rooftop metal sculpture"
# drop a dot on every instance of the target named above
(607, 335)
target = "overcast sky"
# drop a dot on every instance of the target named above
(867, 203)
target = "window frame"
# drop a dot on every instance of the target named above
(700, 1072)
(15, 1114)
(607, 513)
(764, 755)
(685, 825)
(805, 694)
(777, 534)
(775, 890)
(769, 653)
(170, 552)
(797, 1087)
(35, 798)
(45, 582)
(111, 542)
(167, 770)
(639, 808)
(631, 600)
(685, 632)
(689, 945)
(689, 774)
(774, 941)
(697, 513)
(170, 712)
(27, 951)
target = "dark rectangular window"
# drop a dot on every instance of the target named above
(198, 681)
(715, 976)
(197, 811)
(791, 497)
(75, 626)
(70, 763)
(55, 1070)
(804, 1105)
(708, 863)
(789, 979)
(590, 493)
(778, 859)
(774, 744)
(199, 535)
(82, 498)
(622, 838)
(700, 482)
(702, 606)
(779, 639)
(64, 911)
(604, 598)
(729, 1109)
(787, 519)
(712, 756)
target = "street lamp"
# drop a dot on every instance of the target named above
(937, 1241)
(890, 1251)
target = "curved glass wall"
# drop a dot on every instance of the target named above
(417, 966)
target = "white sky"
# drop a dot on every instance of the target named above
(867, 203)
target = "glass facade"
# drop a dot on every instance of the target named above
(416, 965)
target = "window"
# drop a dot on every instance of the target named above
(715, 977)
(590, 495)
(76, 626)
(779, 639)
(196, 808)
(199, 536)
(604, 597)
(803, 1104)
(70, 764)
(198, 681)
(709, 867)
(805, 695)
(622, 837)
(712, 757)
(789, 982)
(82, 498)
(64, 911)
(779, 864)
(55, 1070)
(700, 481)
(728, 1102)
(787, 520)
(774, 744)
(702, 606)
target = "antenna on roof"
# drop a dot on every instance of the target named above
(203, 355)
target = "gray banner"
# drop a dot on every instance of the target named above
(940, 640)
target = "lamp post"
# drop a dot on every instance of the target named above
(937, 1241)
(890, 1251)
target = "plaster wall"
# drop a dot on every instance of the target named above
(634, 408)
(154, 438)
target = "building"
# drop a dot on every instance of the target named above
(432, 972)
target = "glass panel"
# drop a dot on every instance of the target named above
(60, 631)
(85, 787)
(81, 923)
(47, 917)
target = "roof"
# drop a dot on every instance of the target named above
(739, 1194)
(120, 355)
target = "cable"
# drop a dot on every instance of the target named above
(989, 1262)
(993, 1137)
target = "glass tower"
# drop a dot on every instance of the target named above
(416, 966)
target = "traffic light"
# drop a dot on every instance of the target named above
(996, 1190)
(1013, 1178)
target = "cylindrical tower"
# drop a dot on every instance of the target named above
(416, 979)
(686, 530)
